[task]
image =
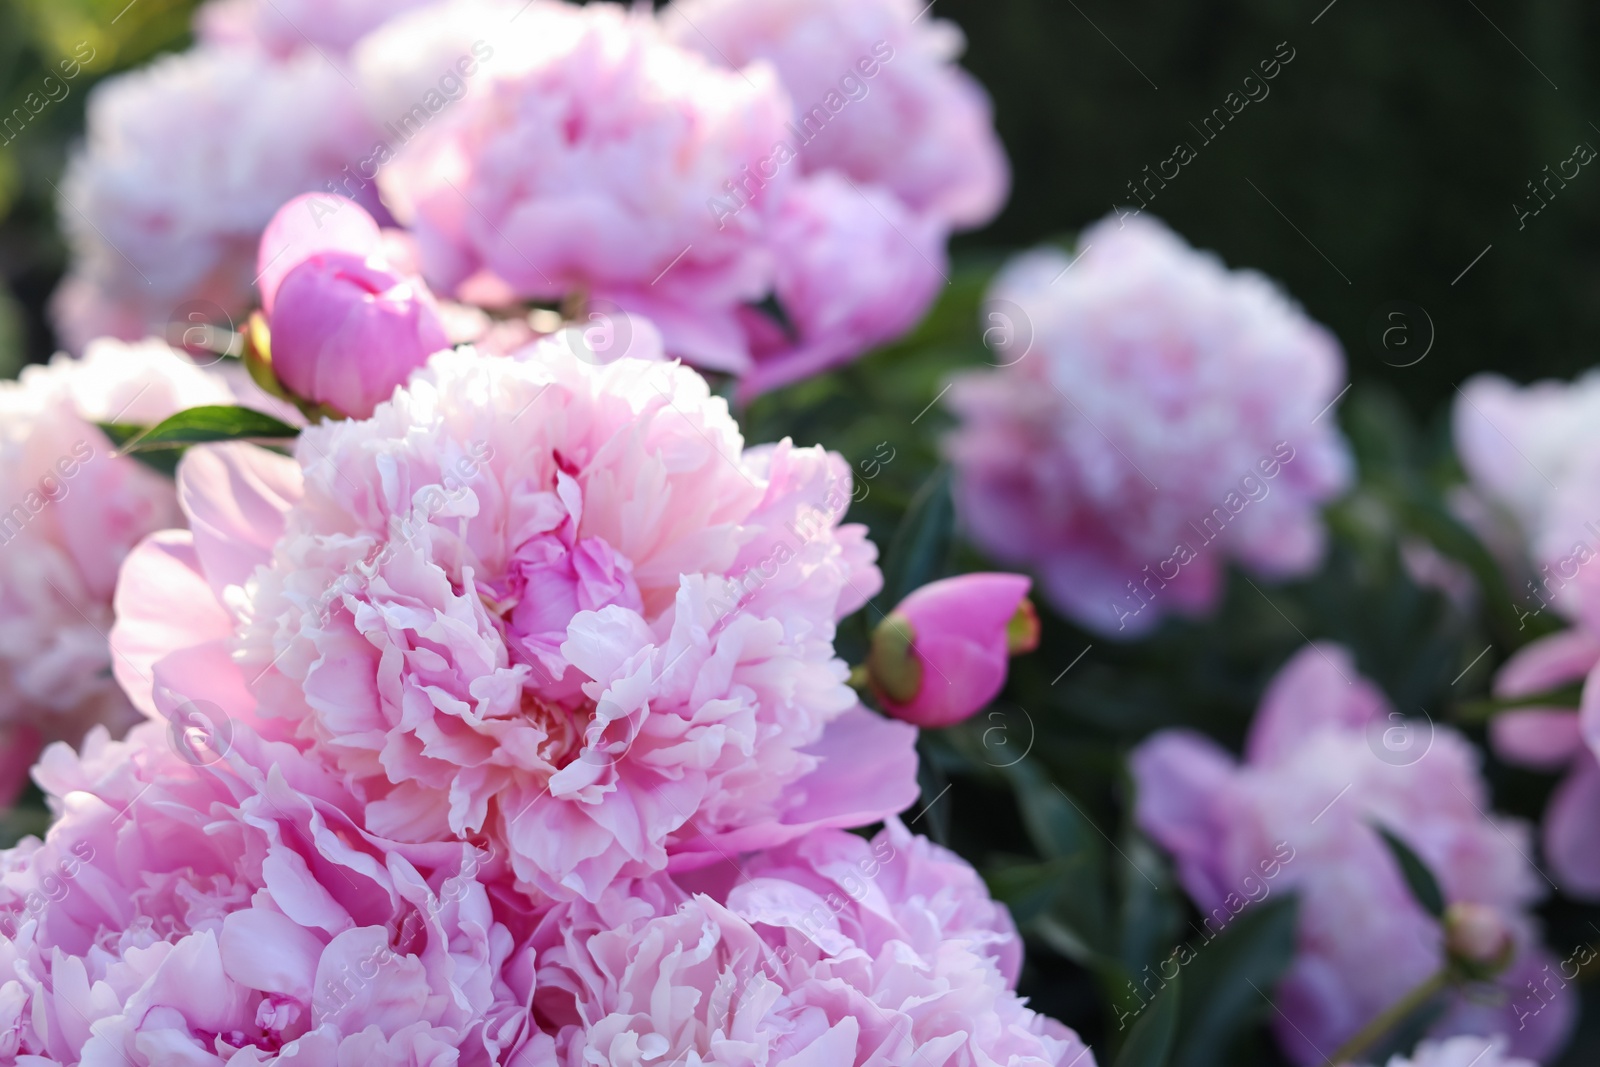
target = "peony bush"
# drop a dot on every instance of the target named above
(504, 574)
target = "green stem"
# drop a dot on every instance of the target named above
(1393, 1016)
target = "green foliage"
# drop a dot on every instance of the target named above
(1150, 1042)
(1419, 879)
(921, 545)
(193, 426)
(1230, 981)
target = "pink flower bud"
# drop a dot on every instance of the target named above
(347, 330)
(1477, 939)
(346, 326)
(942, 654)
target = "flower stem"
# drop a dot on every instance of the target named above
(1393, 1016)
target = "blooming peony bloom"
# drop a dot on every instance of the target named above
(877, 94)
(228, 908)
(537, 600)
(1462, 1052)
(1533, 452)
(1155, 416)
(1326, 761)
(285, 27)
(185, 162)
(1556, 739)
(831, 950)
(73, 509)
(583, 164)
(855, 269)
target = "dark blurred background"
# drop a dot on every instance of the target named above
(1397, 141)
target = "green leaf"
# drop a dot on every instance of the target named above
(1080, 926)
(1054, 821)
(1423, 885)
(1230, 976)
(216, 422)
(1151, 1040)
(120, 433)
(1028, 890)
(1151, 913)
(922, 542)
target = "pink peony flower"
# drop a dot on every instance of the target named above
(831, 950)
(1326, 761)
(1532, 453)
(855, 269)
(285, 27)
(1557, 739)
(347, 327)
(535, 600)
(942, 654)
(185, 162)
(231, 909)
(72, 510)
(583, 164)
(1155, 416)
(1462, 1052)
(877, 94)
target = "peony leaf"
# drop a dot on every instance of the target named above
(120, 433)
(1230, 978)
(1419, 879)
(214, 422)
(1063, 834)
(1151, 1040)
(921, 544)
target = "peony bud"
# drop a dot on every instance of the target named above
(347, 330)
(346, 327)
(1477, 940)
(942, 654)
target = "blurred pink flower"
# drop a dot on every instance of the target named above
(1154, 417)
(285, 27)
(184, 163)
(70, 511)
(584, 164)
(533, 599)
(347, 327)
(831, 950)
(223, 904)
(943, 653)
(877, 94)
(855, 269)
(1462, 1052)
(1327, 759)
(1555, 739)
(1533, 453)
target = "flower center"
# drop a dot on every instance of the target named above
(563, 728)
